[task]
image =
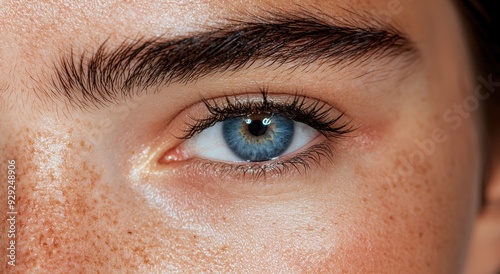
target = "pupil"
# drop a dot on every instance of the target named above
(257, 128)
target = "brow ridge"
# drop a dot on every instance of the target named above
(112, 74)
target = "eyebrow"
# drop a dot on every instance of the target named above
(112, 74)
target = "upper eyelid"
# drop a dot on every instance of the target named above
(313, 112)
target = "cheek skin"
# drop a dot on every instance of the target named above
(57, 213)
(73, 218)
(68, 217)
(407, 224)
(419, 213)
(77, 222)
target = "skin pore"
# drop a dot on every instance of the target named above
(398, 194)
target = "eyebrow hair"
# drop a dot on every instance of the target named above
(110, 75)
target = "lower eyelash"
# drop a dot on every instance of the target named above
(299, 163)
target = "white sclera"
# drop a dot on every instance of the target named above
(210, 143)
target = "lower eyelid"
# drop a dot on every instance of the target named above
(290, 166)
(319, 151)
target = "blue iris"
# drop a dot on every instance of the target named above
(259, 137)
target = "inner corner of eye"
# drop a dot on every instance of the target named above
(176, 154)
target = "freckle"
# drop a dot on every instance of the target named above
(428, 189)
(385, 187)
(129, 233)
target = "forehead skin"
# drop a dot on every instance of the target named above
(95, 206)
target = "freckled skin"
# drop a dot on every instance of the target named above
(91, 197)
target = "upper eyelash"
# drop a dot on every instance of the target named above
(315, 114)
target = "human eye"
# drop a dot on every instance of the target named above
(260, 134)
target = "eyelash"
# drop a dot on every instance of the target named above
(314, 113)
